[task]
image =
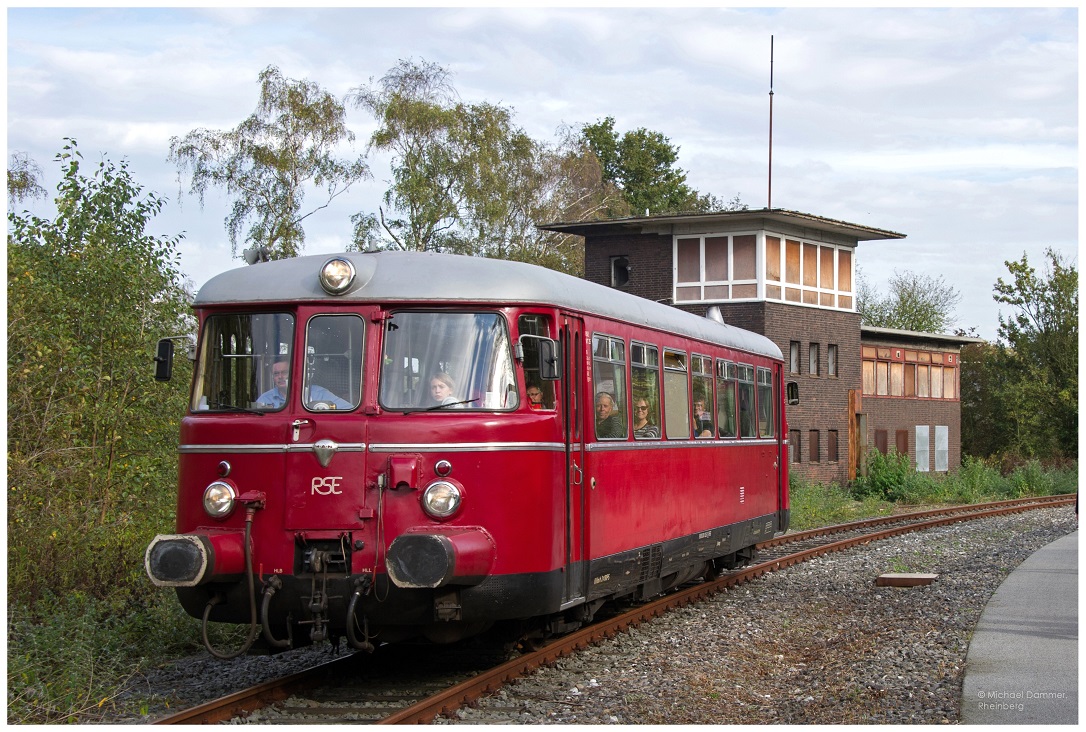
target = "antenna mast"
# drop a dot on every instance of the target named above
(769, 195)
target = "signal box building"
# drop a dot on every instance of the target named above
(790, 276)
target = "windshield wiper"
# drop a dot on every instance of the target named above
(441, 406)
(233, 408)
(450, 404)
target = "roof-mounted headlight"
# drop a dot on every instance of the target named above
(336, 276)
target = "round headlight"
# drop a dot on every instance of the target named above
(219, 499)
(337, 275)
(441, 499)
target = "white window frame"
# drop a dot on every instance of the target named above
(923, 456)
(942, 448)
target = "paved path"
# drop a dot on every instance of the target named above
(1022, 666)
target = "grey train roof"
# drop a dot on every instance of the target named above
(391, 277)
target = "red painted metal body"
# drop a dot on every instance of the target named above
(552, 519)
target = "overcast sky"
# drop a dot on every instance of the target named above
(956, 127)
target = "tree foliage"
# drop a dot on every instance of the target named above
(267, 162)
(24, 178)
(1020, 395)
(467, 179)
(89, 292)
(1040, 342)
(987, 429)
(642, 163)
(912, 301)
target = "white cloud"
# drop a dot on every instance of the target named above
(956, 126)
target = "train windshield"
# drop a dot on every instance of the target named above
(447, 361)
(244, 363)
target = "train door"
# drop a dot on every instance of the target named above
(325, 453)
(573, 376)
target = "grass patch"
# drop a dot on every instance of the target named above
(69, 659)
(814, 504)
(892, 484)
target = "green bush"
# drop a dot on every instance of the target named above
(68, 659)
(975, 481)
(888, 477)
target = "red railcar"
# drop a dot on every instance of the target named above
(388, 446)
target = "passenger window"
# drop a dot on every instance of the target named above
(701, 376)
(676, 396)
(766, 403)
(538, 392)
(747, 427)
(645, 362)
(609, 382)
(725, 396)
(333, 363)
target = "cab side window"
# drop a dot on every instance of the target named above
(538, 394)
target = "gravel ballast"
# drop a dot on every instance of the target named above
(816, 643)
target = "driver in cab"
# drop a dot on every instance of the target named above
(317, 398)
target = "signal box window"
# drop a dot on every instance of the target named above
(333, 362)
(435, 361)
(609, 386)
(676, 396)
(645, 362)
(539, 394)
(923, 459)
(767, 406)
(701, 368)
(747, 427)
(726, 375)
(942, 448)
(238, 354)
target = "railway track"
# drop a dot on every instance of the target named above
(413, 686)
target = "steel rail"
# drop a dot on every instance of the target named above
(882, 520)
(464, 693)
(461, 694)
(255, 697)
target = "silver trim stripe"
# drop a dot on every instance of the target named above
(268, 449)
(475, 446)
(469, 447)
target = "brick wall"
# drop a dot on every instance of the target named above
(650, 263)
(894, 413)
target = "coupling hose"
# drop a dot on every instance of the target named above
(270, 589)
(361, 587)
(217, 598)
